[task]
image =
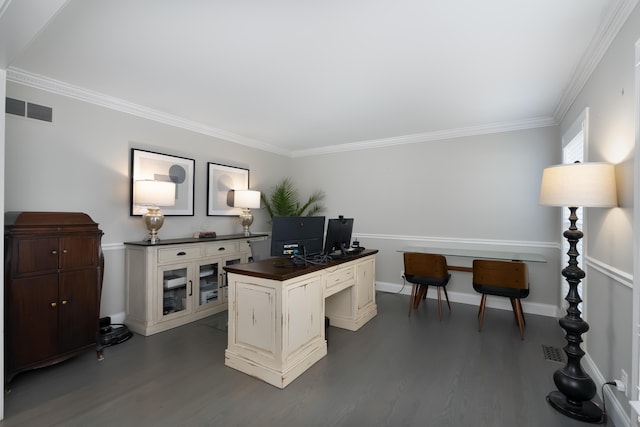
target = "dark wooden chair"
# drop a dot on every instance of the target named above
(505, 279)
(424, 270)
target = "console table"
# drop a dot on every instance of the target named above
(277, 311)
(475, 253)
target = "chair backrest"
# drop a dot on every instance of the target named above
(425, 265)
(507, 274)
(260, 249)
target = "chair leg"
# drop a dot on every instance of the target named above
(439, 304)
(524, 322)
(515, 309)
(444, 288)
(519, 316)
(419, 295)
(412, 298)
(483, 302)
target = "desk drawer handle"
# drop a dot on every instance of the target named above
(181, 253)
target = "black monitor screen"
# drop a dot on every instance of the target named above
(338, 235)
(297, 235)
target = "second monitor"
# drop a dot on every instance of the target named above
(338, 237)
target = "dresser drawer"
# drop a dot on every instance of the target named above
(179, 253)
(221, 248)
(339, 280)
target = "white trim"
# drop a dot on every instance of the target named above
(3, 94)
(431, 136)
(26, 78)
(615, 412)
(459, 241)
(611, 272)
(608, 30)
(635, 325)
(473, 299)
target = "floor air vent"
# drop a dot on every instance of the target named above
(551, 353)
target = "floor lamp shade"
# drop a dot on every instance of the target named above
(579, 184)
(153, 194)
(576, 185)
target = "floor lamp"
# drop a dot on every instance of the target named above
(576, 185)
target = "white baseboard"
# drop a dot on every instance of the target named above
(116, 318)
(473, 299)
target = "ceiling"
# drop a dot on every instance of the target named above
(302, 76)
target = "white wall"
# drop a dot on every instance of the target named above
(609, 94)
(481, 190)
(80, 162)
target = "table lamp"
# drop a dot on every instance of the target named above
(245, 200)
(576, 185)
(153, 194)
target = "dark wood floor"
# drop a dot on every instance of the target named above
(395, 371)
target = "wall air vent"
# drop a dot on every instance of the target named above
(27, 109)
(16, 107)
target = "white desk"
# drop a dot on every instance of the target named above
(276, 313)
(476, 254)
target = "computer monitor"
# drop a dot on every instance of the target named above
(338, 235)
(297, 235)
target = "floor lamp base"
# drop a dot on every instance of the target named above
(587, 412)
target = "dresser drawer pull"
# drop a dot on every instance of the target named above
(221, 248)
(53, 304)
(181, 253)
(64, 302)
(54, 252)
(64, 251)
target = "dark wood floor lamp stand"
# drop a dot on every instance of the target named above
(575, 387)
(586, 185)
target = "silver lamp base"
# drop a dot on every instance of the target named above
(153, 220)
(246, 219)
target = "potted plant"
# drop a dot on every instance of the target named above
(283, 201)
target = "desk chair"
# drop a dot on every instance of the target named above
(424, 270)
(505, 279)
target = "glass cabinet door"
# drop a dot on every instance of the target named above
(208, 285)
(175, 291)
(223, 277)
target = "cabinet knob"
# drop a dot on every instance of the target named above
(64, 251)
(64, 302)
(54, 252)
(53, 304)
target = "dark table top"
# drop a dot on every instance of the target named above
(194, 240)
(283, 268)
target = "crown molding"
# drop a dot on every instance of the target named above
(610, 26)
(431, 136)
(37, 81)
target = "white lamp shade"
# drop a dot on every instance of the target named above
(158, 193)
(246, 199)
(579, 185)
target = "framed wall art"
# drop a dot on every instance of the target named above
(147, 165)
(221, 179)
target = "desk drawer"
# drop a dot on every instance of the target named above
(178, 253)
(221, 248)
(339, 280)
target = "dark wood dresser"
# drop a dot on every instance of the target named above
(54, 268)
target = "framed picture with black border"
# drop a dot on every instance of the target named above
(221, 179)
(149, 165)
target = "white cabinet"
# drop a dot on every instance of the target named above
(178, 281)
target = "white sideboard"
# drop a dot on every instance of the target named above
(277, 311)
(177, 281)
